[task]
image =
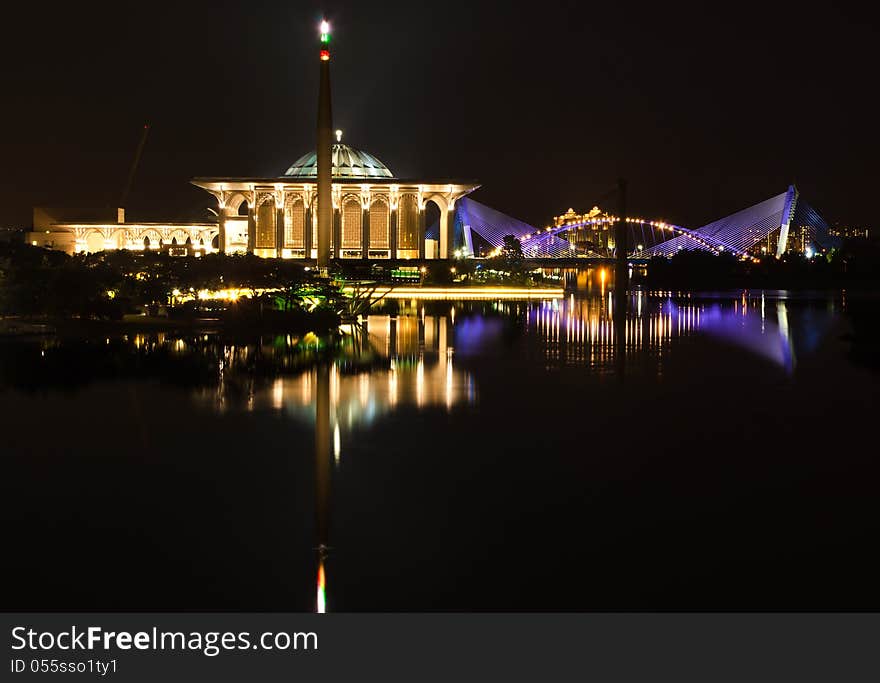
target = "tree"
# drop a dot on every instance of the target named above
(512, 253)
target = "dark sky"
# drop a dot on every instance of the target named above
(704, 109)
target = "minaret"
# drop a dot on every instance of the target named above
(325, 153)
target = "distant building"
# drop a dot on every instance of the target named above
(92, 230)
(849, 232)
(591, 233)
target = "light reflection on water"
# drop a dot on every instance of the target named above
(430, 360)
(389, 362)
(582, 331)
(408, 358)
(413, 364)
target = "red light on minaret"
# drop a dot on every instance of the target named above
(325, 55)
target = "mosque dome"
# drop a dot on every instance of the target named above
(348, 162)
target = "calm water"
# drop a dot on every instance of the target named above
(711, 452)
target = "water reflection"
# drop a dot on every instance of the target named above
(765, 335)
(412, 357)
(584, 331)
(390, 361)
(323, 476)
(406, 356)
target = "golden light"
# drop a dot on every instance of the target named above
(466, 293)
(321, 598)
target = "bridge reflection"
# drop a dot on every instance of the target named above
(584, 331)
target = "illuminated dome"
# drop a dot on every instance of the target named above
(348, 162)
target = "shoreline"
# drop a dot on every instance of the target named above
(37, 326)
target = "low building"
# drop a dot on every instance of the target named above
(91, 230)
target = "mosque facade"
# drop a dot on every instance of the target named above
(375, 215)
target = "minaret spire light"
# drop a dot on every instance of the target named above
(325, 41)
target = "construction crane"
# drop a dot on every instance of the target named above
(134, 166)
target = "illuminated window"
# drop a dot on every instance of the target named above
(265, 237)
(408, 223)
(294, 223)
(379, 222)
(352, 220)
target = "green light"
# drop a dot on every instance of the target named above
(325, 37)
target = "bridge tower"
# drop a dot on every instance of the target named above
(620, 239)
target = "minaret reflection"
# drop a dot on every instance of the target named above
(344, 385)
(323, 472)
(356, 390)
(387, 363)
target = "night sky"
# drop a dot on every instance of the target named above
(705, 109)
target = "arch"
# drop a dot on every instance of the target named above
(120, 238)
(595, 238)
(434, 219)
(215, 242)
(179, 236)
(438, 199)
(235, 203)
(408, 225)
(294, 222)
(150, 238)
(207, 235)
(432, 214)
(380, 220)
(444, 247)
(352, 221)
(94, 241)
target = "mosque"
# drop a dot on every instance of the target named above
(375, 215)
(335, 203)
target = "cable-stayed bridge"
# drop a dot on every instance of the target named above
(781, 223)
